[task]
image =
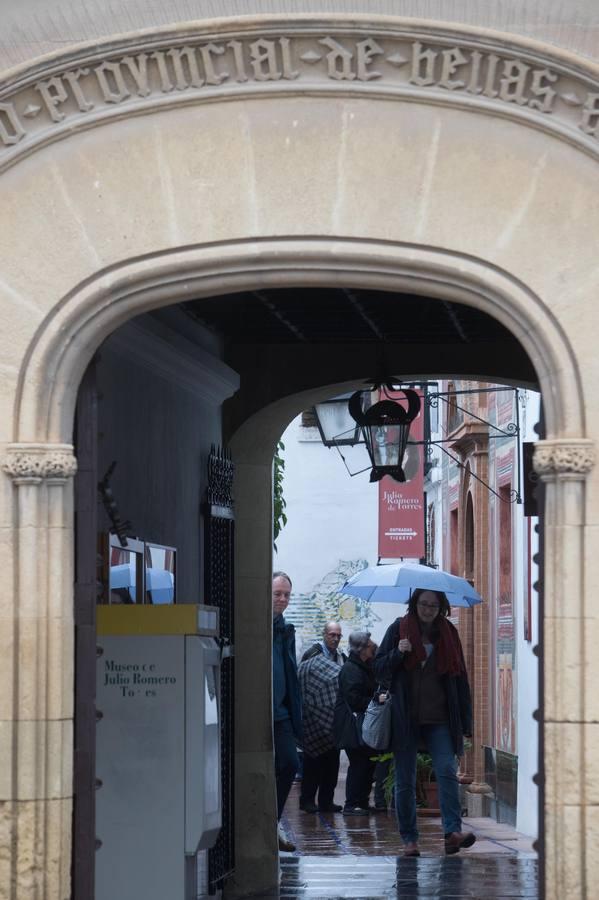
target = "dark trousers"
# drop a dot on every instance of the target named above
(286, 761)
(320, 774)
(359, 776)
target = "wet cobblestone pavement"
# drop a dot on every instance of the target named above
(341, 857)
(445, 878)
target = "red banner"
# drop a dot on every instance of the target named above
(401, 506)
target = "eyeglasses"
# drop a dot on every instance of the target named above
(434, 606)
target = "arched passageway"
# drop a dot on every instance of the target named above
(122, 237)
(276, 341)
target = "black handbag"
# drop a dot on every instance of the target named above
(347, 727)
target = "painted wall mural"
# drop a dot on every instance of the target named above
(310, 611)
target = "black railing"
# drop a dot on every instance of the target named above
(219, 591)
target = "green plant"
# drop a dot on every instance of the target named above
(279, 504)
(389, 782)
(424, 775)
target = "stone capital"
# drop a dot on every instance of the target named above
(567, 457)
(33, 463)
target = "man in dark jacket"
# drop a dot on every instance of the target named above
(287, 725)
(321, 757)
(319, 677)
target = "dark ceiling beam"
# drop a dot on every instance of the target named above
(308, 366)
(455, 321)
(351, 296)
(272, 308)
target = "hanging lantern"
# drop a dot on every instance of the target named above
(386, 428)
(336, 427)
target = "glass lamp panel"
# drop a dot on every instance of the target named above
(334, 419)
(384, 442)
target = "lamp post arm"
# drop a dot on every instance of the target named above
(516, 498)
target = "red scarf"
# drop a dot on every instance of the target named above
(449, 657)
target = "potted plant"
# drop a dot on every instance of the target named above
(427, 796)
(427, 793)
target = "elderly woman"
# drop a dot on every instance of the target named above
(357, 684)
(421, 659)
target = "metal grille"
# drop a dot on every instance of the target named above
(219, 573)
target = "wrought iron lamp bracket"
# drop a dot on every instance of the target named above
(432, 400)
(512, 429)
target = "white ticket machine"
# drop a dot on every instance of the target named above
(158, 801)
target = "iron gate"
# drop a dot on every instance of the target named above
(219, 533)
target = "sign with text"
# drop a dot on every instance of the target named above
(401, 506)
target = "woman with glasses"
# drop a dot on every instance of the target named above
(421, 660)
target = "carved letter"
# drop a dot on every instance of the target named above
(73, 78)
(542, 90)
(177, 56)
(452, 59)
(15, 131)
(53, 92)
(590, 114)
(427, 57)
(473, 85)
(366, 50)
(165, 81)
(138, 68)
(288, 71)
(237, 48)
(264, 60)
(511, 86)
(122, 91)
(206, 51)
(492, 61)
(338, 60)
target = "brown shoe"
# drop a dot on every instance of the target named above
(285, 845)
(411, 849)
(458, 840)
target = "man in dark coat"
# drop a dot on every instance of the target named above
(287, 718)
(329, 646)
(319, 677)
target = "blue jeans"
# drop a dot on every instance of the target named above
(440, 746)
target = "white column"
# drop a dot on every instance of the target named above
(564, 466)
(36, 675)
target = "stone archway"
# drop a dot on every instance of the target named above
(113, 164)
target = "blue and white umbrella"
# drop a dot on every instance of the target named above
(396, 582)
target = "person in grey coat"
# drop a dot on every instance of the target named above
(357, 686)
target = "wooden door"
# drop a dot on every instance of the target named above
(86, 591)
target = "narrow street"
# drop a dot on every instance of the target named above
(338, 856)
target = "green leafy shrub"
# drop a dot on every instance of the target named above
(279, 504)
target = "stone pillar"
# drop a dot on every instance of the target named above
(479, 790)
(256, 848)
(570, 772)
(36, 672)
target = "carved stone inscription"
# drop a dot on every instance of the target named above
(63, 99)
